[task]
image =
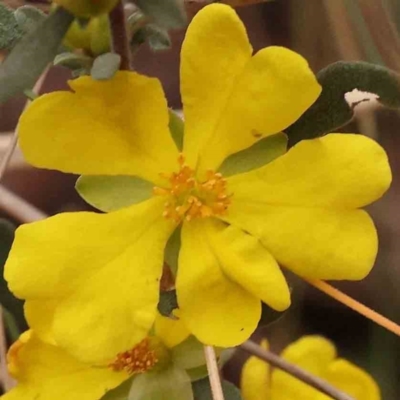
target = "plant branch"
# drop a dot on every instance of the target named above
(19, 208)
(213, 373)
(304, 376)
(119, 35)
(355, 305)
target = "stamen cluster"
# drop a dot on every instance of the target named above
(189, 198)
(140, 359)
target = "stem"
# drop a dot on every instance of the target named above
(213, 373)
(120, 41)
(294, 370)
(19, 208)
(355, 305)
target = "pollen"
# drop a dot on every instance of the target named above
(188, 198)
(140, 359)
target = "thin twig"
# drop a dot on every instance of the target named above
(355, 305)
(19, 208)
(278, 362)
(213, 373)
(119, 34)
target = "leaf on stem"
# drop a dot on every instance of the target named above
(331, 110)
(36, 49)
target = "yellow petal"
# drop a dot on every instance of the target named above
(311, 353)
(40, 315)
(113, 127)
(45, 371)
(244, 260)
(312, 242)
(340, 171)
(170, 331)
(100, 273)
(216, 310)
(231, 99)
(255, 379)
(214, 52)
(352, 380)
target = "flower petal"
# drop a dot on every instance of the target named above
(245, 261)
(342, 171)
(312, 242)
(311, 353)
(171, 331)
(216, 310)
(45, 371)
(214, 53)
(255, 378)
(113, 127)
(352, 380)
(102, 270)
(231, 99)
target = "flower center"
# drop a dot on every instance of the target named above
(189, 198)
(140, 359)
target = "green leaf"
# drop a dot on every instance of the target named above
(261, 153)
(202, 390)
(73, 61)
(198, 373)
(171, 251)
(168, 14)
(110, 193)
(331, 111)
(105, 66)
(31, 55)
(29, 17)
(121, 392)
(7, 299)
(189, 354)
(10, 31)
(176, 127)
(167, 303)
(172, 384)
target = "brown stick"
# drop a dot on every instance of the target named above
(304, 376)
(119, 34)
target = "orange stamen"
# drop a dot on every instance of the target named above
(189, 198)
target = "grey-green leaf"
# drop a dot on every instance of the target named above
(171, 252)
(172, 383)
(121, 392)
(261, 153)
(168, 14)
(105, 66)
(110, 193)
(29, 17)
(331, 111)
(202, 390)
(30, 56)
(189, 354)
(73, 61)
(167, 303)
(10, 31)
(176, 127)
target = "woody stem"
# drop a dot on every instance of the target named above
(355, 305)
(213, 373)
(304, 376)
(119, 36)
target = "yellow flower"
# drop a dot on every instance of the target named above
(44, 371)
(97, 272)
(314, 354)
